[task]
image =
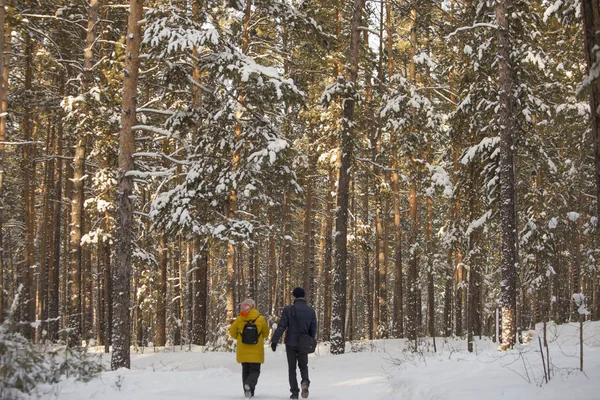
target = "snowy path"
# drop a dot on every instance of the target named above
(383, 370)
(158, 376)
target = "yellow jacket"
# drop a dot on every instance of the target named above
(251, 353)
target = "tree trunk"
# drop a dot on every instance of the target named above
(474, 257)
(507, 178)
(161, 298)
(380, 260)
(28, 170)
(200, 277)
(177, 292)
(412, 297)
(78, 196)
(64, 267)
(591, 25)
(286, 247)
(308, 242)
(122, 270)
(75, 251)
(325, 251)
(449, 293)
(54, 268)
(338, 335)
(46, 233)
(430, 286)
(108, 290)
(4, 68)
(272, 266)
(398, 276)
(352, 281)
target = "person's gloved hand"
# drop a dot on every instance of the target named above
(273, 346)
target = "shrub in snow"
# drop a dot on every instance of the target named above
(21, 366)
(24, 365)
(76, 362)
(222, 340)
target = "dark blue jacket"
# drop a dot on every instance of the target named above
(307, 323)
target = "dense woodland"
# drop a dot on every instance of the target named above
(416, 165)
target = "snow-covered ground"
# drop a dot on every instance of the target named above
(382, 369)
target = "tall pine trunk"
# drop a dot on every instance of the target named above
(591, 24)
(338, 323)
(3, 95)
(54, 266)
(507, 177)
(325, 253)
(28, 170)
(122, 271)
(161, 299)
(398, 276)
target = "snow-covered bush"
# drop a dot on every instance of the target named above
(24, 365)
(21, 366)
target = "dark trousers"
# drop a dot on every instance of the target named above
(250, 374)
(293, 356)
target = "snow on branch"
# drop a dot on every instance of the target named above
(593, 74)
(150, 174)
(488, 142)
(477, 25)
(478, 222)
(439, 177)
(153, 129)
(161, 155)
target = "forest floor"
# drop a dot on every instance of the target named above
(370, 370)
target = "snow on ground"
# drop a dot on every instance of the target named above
(382, 369)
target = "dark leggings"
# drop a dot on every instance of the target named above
(293, 356)
(250, 374)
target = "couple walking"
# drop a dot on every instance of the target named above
(250, 329)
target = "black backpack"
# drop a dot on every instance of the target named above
(250, 333)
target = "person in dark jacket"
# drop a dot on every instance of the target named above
(296, 319)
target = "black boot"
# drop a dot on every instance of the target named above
(294, 395)
(304, 386)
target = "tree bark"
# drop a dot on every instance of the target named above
(28, 171)
(46, 233)
(308, 264)
(200, 295)
(286, 247)
(366, 274)
(507, 178)
(54, 268)
(591, 24)
(122, 271)
(75, 251)
(398, 276)
(326, 247)
(108, 290)
(430, 286)
(4, 68)
(412, 297)
(338, 324)
(161, 298)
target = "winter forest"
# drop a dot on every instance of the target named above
(422, 168)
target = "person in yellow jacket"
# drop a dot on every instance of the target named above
(250, 355)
